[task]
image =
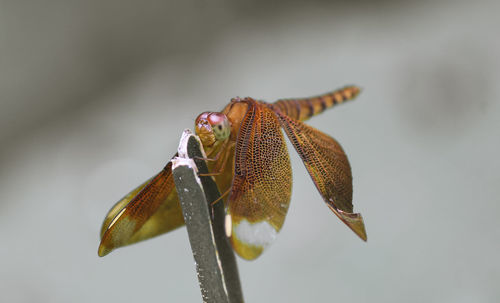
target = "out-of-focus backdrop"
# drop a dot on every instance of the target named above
(95, 94)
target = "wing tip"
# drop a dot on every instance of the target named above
(244, 250)
(103, 250)
(353, 220)
(249, 239)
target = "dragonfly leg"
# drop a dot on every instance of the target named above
(220, 170)
(223, 147)
(220, 198)
(212, 204)
(210, 174)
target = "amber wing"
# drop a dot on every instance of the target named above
(329, 168)
(149, 210)
(262, 182)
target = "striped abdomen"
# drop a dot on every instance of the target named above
(303, 109)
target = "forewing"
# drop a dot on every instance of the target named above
(149, 210)
(262, 182)
(329, 168)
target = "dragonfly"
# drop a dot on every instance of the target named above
(248, 158)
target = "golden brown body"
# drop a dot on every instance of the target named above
(305, 108)
(250, 162)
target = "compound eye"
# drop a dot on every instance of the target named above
(220, 125)
(203, 116)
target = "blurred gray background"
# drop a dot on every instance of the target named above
(95, 94)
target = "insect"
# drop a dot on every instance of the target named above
(248, 157)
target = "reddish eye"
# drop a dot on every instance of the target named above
(202, 116)
(215, 124)
(220, 126)
(216, 118)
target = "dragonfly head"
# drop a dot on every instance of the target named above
(212, 127)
